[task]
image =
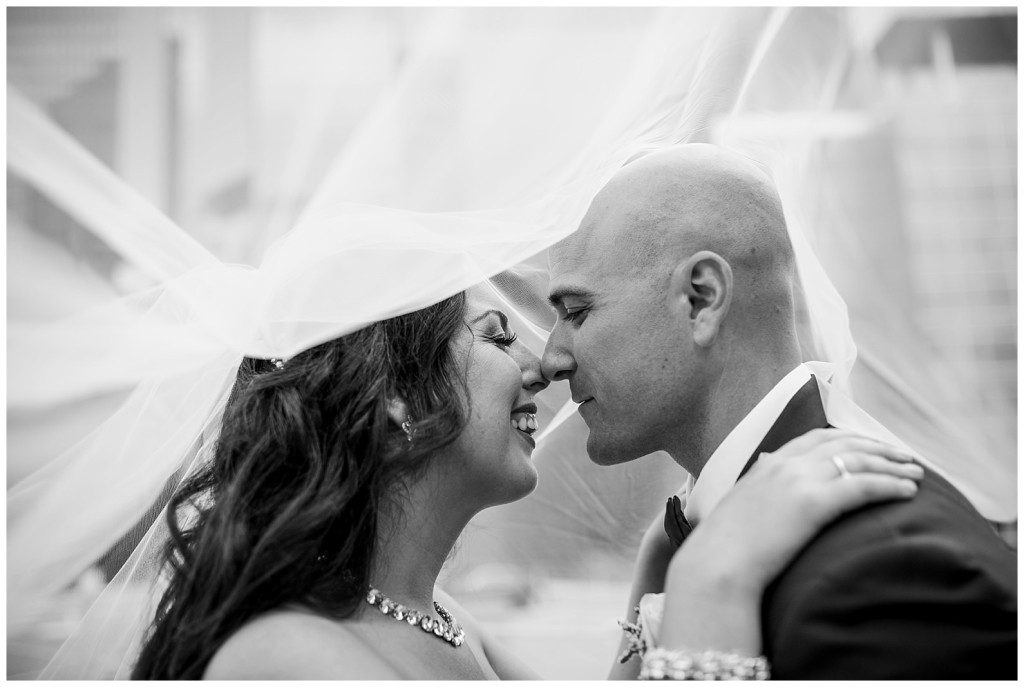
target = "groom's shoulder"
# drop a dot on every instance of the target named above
(922, 588)
(928, 539)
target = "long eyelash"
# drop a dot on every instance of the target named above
(505, 340)
(573, 316)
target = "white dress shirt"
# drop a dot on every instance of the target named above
(723, 467)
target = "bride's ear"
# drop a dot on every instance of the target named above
(703, 285)
(398, 411)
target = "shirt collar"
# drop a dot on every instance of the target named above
(723, 467)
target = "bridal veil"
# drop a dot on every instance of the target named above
(485, 150)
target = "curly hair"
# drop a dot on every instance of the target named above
(288, 510)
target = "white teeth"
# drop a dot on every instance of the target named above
(524, 422)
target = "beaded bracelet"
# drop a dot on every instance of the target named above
(665, 664)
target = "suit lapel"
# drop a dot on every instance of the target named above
(803, 413)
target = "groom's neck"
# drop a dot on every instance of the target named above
(731, 398)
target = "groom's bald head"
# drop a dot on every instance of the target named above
(679, 200)
(680, 275)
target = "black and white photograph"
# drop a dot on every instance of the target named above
(512, 342)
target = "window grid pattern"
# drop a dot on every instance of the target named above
(956, 149)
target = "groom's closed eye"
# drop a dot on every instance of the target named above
(572, 310)
(570, 302)
(574, 313)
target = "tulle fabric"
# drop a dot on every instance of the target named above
(516, 147)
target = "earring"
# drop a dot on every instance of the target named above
(407, 428)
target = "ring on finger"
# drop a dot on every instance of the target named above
(841, 466)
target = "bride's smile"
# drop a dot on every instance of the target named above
(493, 453)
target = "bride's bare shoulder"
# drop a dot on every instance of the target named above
(297, 645)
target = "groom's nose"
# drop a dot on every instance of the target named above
(557, 362)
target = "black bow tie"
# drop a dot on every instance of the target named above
(676, 526)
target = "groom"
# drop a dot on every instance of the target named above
(676, 331)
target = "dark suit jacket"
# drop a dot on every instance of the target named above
(922, 589)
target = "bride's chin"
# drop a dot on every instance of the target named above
(522, 485)
(532, 482)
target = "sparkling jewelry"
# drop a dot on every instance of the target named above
(635, 644)
(447, 628)
(407, 428)
(664, 664)
(278, 363)
(841, 465)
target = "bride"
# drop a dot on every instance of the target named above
(343, 477)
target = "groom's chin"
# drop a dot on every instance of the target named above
(606, 453)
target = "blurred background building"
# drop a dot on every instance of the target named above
(225, 118)
(953, 84)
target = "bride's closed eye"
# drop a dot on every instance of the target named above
(492, 327)
(502, 339)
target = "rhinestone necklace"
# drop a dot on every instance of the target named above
(446, 628)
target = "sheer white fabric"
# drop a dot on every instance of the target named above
(485, 152)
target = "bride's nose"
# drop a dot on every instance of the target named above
(533, 377)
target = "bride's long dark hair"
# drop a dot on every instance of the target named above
(289, 508)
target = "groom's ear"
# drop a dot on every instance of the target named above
(703, 285)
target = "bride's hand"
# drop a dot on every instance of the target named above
(790, 495)
(772, 513)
